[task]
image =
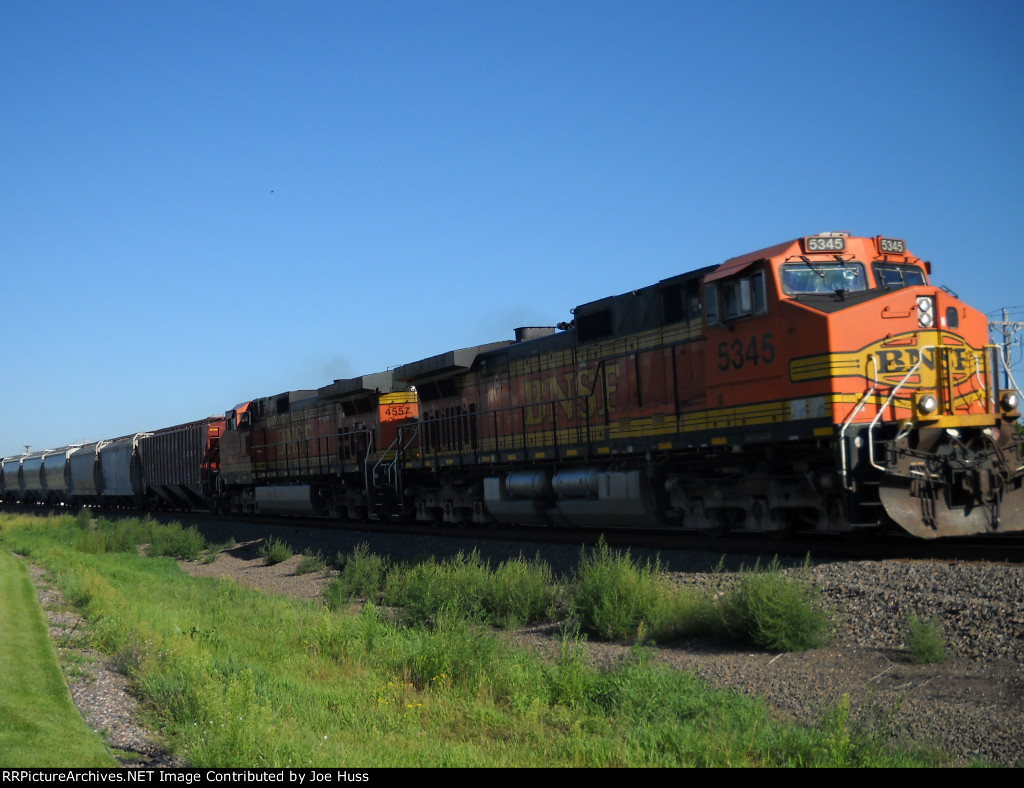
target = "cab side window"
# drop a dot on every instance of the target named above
(735, 298)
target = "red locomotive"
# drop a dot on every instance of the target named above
(822, 384)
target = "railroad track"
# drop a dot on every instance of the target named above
(879, 546)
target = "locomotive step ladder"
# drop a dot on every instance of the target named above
(384, 480)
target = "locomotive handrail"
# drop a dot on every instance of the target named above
(393, 461)
(300, 461)
(849, 420)
(393, 478)
(366, 458)
(988, 375)
(369, 443)
(1009, 376)
(984, 385)
(569, 415)
(888, 401)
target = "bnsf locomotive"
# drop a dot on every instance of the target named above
(819, 384)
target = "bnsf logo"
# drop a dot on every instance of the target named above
(891, 361)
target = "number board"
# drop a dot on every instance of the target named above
(825, 243)
(398, 406)
(892, 246)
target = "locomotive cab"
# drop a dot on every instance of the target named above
(884, 386)
(770, 475)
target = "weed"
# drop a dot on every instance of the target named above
(186, 544)
(336, 595)
(615, 598)
(212, 551)
(362, 576)
(310, 563)
(926, 640)
(521, 592)
(274, 551)
(422, 590)
(90, 541)
(517, 592)
(775, 610)
(461, 650)
(570, 679)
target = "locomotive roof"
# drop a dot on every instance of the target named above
(445, 362)
(736, 264)
(381, 382)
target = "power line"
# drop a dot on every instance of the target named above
(1008, 328)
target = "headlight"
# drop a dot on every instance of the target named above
(927, 404)
(925, 311)
(1010, 400)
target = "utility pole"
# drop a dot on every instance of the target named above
(1008, 328)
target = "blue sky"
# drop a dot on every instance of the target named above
(205, 202)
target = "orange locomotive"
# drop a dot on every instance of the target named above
(821, 384)
(331, 451)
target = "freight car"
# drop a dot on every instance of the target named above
(822, 383)
(171, 468)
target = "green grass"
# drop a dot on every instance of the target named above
(234, 677)
(36, 709)
(127, 535)
(516, 592)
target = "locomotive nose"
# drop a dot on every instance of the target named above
(969, 482)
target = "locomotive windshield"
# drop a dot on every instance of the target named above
(893, 277)
(810, 277)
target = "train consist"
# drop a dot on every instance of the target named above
(820, 384)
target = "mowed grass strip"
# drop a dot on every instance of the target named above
(39, 724)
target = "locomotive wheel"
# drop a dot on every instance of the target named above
(722, 522)
(789, 528)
